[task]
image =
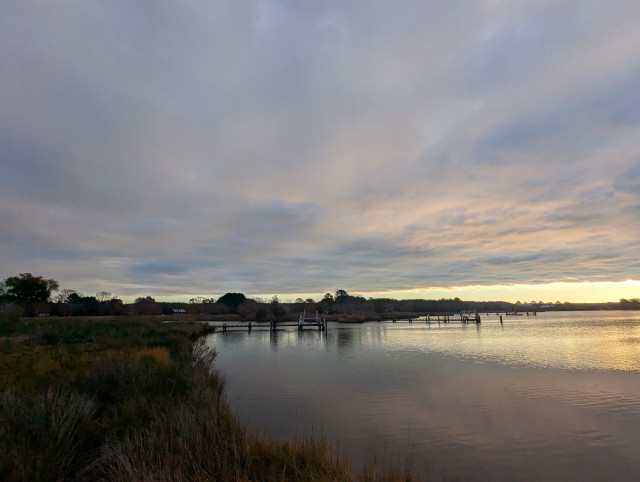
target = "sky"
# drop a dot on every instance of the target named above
(483, 149)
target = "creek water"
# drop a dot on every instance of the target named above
(548, 397)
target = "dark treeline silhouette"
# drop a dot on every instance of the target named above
(30, 295)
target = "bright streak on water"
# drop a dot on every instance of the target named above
(553, 397)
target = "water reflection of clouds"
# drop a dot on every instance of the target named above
(411, 389)
(506, 415)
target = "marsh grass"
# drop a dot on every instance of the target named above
(190, 435)
(308, 458)
(385, 471)
(157, 354)
(134, 399)
(45, 436)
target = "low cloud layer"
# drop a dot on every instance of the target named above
(301, 147)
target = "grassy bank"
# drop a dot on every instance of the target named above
(134, 399)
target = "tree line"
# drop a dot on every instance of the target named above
(26, 294)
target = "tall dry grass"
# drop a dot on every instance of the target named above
(46, 436)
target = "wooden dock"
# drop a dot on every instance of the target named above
(320, 323)
(272, 326)
(463, 317)
(302, 323)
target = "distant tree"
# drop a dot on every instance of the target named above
(26, 289)
(74, 297)
(232, 300)
(383, 305)
(346, 303)
(341, 294)
(326, 305)
(103, 296)
(115, 306)
(146, 306)
(276, 308)
(310, 301)
(83, 305)
(63, 295)
(633, 303)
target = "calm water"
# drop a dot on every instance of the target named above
(552, 397)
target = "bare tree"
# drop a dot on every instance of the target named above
(63, 295)
(104, 296)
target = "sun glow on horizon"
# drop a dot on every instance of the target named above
(563, 291)
(573, 292)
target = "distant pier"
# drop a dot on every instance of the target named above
(320, 323)
(442, 317)
(303, 322)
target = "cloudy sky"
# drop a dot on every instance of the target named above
(473, 148)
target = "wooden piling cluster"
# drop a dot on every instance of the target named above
(274, 325)
(463, 317)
